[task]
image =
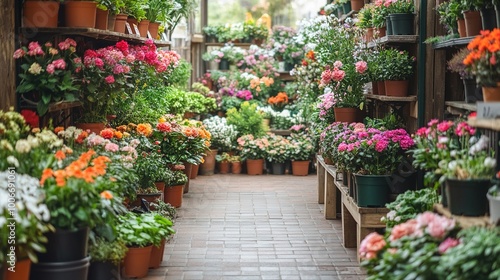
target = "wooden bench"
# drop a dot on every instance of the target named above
(357, 222)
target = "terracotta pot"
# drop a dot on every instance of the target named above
(375, 88)
(143, 28)
(369, 35)
(101, 19)
(120, 21)
(491, 94)
(173, 195)
(156, 255)
(153, 29)
(187, 172)
(356, 5)
(329, 161)
(381, 32)
(136, 262)
(208, 167)
(161, 188)
(111, 22)
(381, 87)
(194, 171)
(300, 167)
(80, 13)
(255, 166)
(472, 23)
(149, 197)
(91, 127)
(40, 13)
(224, 167)
(461, 28)
(236, 167)
(396, 88)
(22, 271)
(346, 114)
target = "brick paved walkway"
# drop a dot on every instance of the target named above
(255, 227)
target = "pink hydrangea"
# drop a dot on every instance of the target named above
(35, 49)
(338, 75)
(109, 79)
(112, 147)
(407, 228)
(59, 64)
(361, 67)
(51, 69)
(381, 145)
(447, 244)
(371, 245)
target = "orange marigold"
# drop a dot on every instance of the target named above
(107, 195)
(58, 129)
(144, 129)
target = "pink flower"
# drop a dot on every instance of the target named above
(381, 145)
(338, 75)
(111, 147)
(64, 45)
(59, 64)
(164, 127)
(444, 126)
(53, 51)
(109, 79)
(404, 229)
(50, 69)
(361, 67)
(422, 132)
(19, 53)
(35, 49)
(371, 245)
(337, 64)
(432, 122)
(118, 69)
(447, 244)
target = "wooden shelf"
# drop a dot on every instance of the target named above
(282, 132)
(386, 98)
(492, 124)
(285, 76)
(464, 222)
(455, 42)
(394, 39)
(62, 105)
(241, 45)
(459, 107)
(93, 33)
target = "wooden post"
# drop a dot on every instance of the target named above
(330, 190)
(348, 228)
(321, 181)
(7, 48)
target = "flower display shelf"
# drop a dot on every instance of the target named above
(455, 42)
(285, 76)
(491, 124)
(93, 33)
(385, 98)
(464, 222)
(282, 132)
(394, 39)
(241, 45)
(459, 107)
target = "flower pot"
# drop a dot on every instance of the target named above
(208, 166)
(210, 39)
(104, 271)
(236, 167)
(388, 26)
(111, 22)
(120, 21)
(255, 166)
(369, 35)
(161, 187)
(403, 182)
(461, 28)
(380, 32)
(65, 246)
(289, 66)
(472, 23)
(402, 24)
(149, 197)
(488, 18)
(194, 171)
(156, 255)
(153, 29)
(101, 19)
(300, 167)
(173, 195)
(80, 13)
(471, 93)
(444, 198)
(494, 202)
(187, 172)
(372, 190)
(40, 13)
(356, 5)
(136, 262)
(224, 167)
(467, 197)
(491, 94)
(224, 64)
(346, 114)
(278, 168)
(396, 88)
(74, 270)
(381, 87)
(91, 127)
(143, 28)
(22, 271)
(347, 7)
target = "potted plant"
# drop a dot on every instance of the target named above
(140, 233)
(30, 216)
(235, 164)
(300, 152)
(449, 14)
(80, 13)
(211, 33)
(156, 13)
(223, 135)
(365, 21)
(494, 199)
(152, 172)
(380, 18)
(106, 257)
(277, 152)
(397, 69)
(472, 16)
(456, 64)
(48, 73)
(401, 14)
(247, 119)
(174, 188)
(40, 13)
(253, 150)
(223, 160)
(165, 231)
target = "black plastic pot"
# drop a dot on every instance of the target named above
(65, 246)
(278, 168)
(467, 197)
(74, 270)
(388, 26)
(402, 24)
(471, 92)
(104, 271)
(488, 18)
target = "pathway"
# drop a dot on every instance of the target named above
(255, 227)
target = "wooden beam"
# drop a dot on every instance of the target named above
(7, 48)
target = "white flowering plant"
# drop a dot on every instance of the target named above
(223, 134)
(22, 213)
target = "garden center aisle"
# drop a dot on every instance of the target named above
(255, 227)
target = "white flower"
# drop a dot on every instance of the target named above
(35, 69)
(23, 146)
(490, 162)
(443, 140)
(13, 161)
(480, 145)
(452, 165)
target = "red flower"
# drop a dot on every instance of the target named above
(107, 133)
(31, 118)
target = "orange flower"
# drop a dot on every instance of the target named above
(144, 129)
(47, 173)
(122, 128)
(60, 155)
(60, 178)
(81, 137)
(280, 99)
(118, 135)
(58, 129)
(107, 195)
(310, 55)
(107, 133)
